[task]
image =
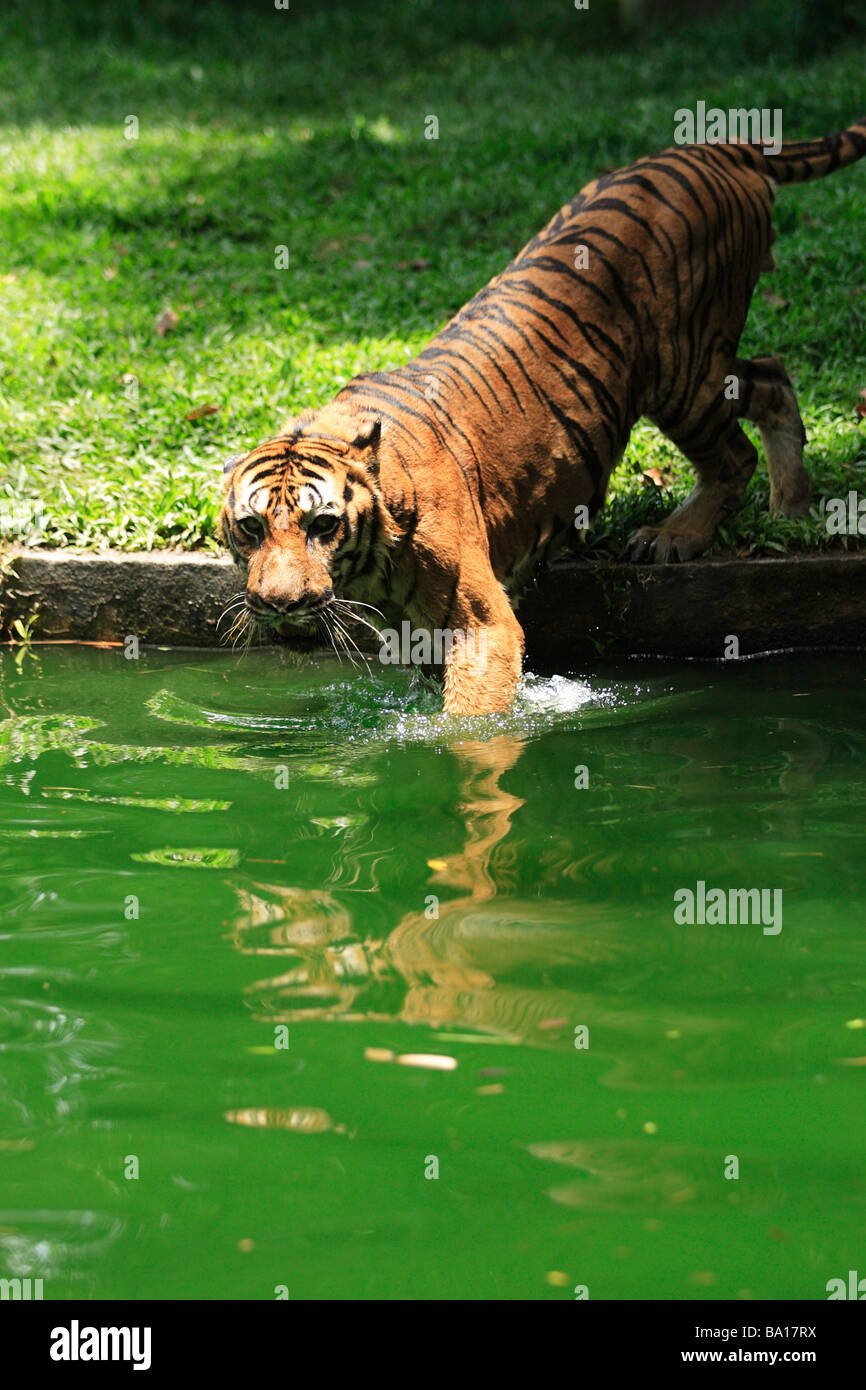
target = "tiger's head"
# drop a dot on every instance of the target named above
(304, 515)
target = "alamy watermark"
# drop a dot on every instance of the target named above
(439, 646)
(729, 907)
(854, 1287)
(77, 1343)
(20, 1290)
(845, 516)
(20, 517)
(738, 125)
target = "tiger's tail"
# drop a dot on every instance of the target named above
(802, 160)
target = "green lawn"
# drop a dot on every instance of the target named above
(260, 128)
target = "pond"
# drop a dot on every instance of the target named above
(307, 991)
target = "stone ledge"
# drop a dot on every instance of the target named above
(803, 602)
(576, 609)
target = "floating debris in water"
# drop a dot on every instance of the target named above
(487, 1039)
(379, 1054)
(190, 858)
(302, 1119)
(433, 1061)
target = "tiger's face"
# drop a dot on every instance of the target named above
(303, 516)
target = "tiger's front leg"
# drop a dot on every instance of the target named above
(483, 666)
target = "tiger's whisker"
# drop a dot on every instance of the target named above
(345, 638)
(234, 602)
(356, 617)
(356, 603)
(322, 622)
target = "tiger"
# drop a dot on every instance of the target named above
(432, 492)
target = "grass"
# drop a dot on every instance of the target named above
(260, 128)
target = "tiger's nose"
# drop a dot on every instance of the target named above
(263, 602)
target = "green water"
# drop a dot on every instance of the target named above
(282, 831)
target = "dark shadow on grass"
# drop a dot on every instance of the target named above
(353, 209)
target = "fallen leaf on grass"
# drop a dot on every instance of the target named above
(654, 475)
(860, 407)
(202, 410)
(776, 300)
(166, 322)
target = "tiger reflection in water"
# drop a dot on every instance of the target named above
(461, 969)
(468, 966)
(452, 969)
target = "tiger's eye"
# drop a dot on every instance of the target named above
(252, 527)
(323, 525)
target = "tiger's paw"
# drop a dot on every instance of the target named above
(661, 545)
(794, 502)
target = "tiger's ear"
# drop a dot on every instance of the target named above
(344, 427)
(369, 434)
(229, 468)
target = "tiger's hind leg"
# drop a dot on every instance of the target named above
(724, 459)
(767, 398)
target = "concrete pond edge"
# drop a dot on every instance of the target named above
(574, 610)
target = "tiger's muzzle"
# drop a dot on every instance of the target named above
(274, 610)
